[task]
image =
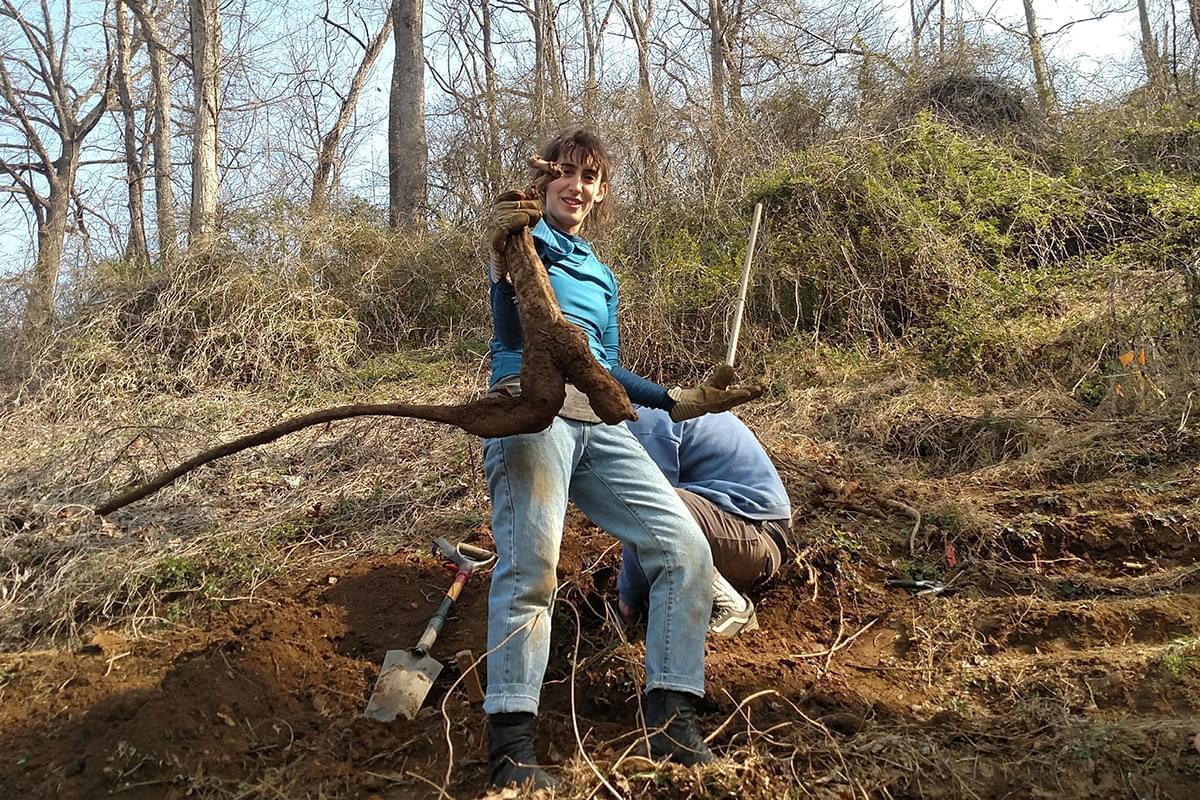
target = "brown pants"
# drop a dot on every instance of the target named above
(742, 551)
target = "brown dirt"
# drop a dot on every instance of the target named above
(1065, 664)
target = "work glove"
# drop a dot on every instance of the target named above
(510, 212)
(713, 395)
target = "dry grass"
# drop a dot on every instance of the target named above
(385, 485)
(367, 486)
(207, 321)
(1035, 743)
(361, 487)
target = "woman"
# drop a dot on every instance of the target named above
(604, 471)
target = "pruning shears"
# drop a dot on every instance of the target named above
(919, 588)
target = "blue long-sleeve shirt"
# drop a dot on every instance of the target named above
(717, 457)
(586, 290)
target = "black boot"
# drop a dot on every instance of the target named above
(671, 721)
(511, 759)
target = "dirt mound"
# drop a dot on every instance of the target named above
(272, 687)
(1075, 674)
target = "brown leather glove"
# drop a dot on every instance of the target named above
(510, 212)
(713, 395)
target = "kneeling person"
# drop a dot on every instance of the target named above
(728, 483)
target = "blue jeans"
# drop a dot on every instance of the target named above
(604, 470)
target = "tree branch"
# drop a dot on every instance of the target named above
(93, 117)
(27, 166)
(837, 50)
(1024, 34)
(12, 97)
(45, 60)
(35, 199)
(1072, 23)
(704, 18)
(344, 29)
(25, 186)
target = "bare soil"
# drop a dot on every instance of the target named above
(1070, 669)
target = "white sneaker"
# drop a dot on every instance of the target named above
(732, 613)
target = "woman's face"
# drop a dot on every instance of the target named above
(569, 199)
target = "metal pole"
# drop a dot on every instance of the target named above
(741, 301)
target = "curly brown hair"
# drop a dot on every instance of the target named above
(587, 149)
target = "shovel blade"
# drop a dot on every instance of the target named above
(403, 684)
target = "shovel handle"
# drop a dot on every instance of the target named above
(439, 617)
(743, 286)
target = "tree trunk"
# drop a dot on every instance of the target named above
(942, 33)
(645, 94)
(916, 33)
(324, 176)
(647, 138)
(493, 117)
(1041, 74)
(51, 231)
(865, 78)
(135, 247)
(1194, 13)
(407, 156)
(591, 47)
(637, 19)
(716, 57)
(554, 74)
(1150, 55)
(164, 193)
(206, 56)
(733, 71)
(538, 102)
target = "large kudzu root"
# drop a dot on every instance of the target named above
(554, 352)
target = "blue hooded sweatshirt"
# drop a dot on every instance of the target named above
(717, 457)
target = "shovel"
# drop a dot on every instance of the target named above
(407, 675)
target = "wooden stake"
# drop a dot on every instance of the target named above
(470, 677)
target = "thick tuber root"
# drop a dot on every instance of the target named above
(554, 352)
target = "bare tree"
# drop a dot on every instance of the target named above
(160, 77)
(736, 12)
(638, 15)
(1035, 38)
(593, 37)
(462, 62)
(135, 247)
(941, 32)
(491, 112)
(408, 158)
(546, 102)
(547, 12)
(1155, 69)
(919, 17)
(42, 110)
(1041, 74)
(328, 155)
(205, 18)
(715, 20)
(723, 22)
(1194, 13)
